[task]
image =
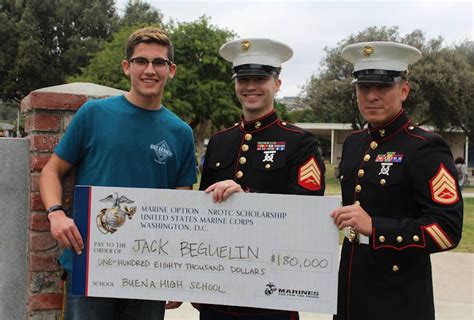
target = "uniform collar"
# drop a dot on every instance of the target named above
(258, 124)
(390, 128)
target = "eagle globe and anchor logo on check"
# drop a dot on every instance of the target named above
(272, 289)
(110, 219)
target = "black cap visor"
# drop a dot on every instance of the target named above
(261, 70)
(378, 76)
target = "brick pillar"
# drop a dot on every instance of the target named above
(47, 116)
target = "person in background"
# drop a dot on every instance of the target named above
(461, 170)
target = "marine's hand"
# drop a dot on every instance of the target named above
(173, 304)
(223, 189)
(65, 231)
(353, 216)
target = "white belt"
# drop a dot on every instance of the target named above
(354, 236)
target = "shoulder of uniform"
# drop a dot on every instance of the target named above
(285, 125)
(416, 132)
(234, 127)
(361, 131)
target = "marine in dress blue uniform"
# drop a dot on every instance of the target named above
(263, 154)
(403, 178)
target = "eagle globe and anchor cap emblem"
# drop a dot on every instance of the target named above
(110, 219)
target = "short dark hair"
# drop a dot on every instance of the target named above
(149, 35)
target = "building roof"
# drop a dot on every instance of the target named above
(6, 126)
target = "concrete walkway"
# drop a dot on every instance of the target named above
(453, 279)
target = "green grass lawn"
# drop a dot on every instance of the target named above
(467, 240)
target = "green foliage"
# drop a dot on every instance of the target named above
(141, 13)
(302, 115)
(202, 89)
(43, 41)
(441, 82)
(281, 110)
(8, 111)
(105, 66)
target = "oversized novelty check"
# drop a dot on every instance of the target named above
(256, 250)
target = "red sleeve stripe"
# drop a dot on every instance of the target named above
(439, 237)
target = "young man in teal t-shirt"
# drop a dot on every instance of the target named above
(124, 141)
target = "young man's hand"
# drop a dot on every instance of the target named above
(65, 231)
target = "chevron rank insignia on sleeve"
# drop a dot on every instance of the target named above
(443, 187)
(441, 239)
(309, 175)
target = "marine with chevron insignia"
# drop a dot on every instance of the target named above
(260, 153)
(401, 200)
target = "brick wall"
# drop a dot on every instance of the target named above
(47, 116)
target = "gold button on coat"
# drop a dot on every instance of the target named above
(399, 239)
(373, 145)
(367, 157)
(257, 124)
(248, 137)
(383, 181)
(382, 132)
(357, 202)
(239, 174)
(245, 147)
(267, 166)
(358, 188)
(242, 160)
(284, 123)
(416, 238)
(360, 173)
(341, 177)
(218, 164)
(395, 268)
(411, 128)
(382, 239)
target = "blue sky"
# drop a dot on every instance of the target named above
(308, 26)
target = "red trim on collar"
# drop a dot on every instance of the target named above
(259, 129)
(388, 123)
(259, 119)
(395, 133)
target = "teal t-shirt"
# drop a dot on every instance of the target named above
(115, 143)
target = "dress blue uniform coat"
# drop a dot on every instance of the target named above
(404, 178)
(267, 155)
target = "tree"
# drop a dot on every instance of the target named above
(202, 91)
(105, 66)
(43, 41)
(441, 82)
(138, 12)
